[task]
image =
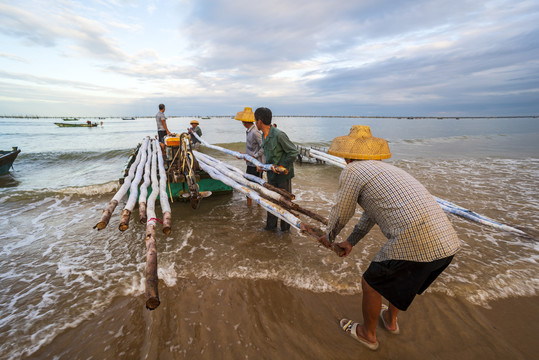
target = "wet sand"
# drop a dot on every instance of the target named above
(233, 319)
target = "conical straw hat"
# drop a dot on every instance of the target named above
(360, 144)
(194, 122)
(246, 115)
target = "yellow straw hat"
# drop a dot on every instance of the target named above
(246, 115)
(194, 122)
(360, 144)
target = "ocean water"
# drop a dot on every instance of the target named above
(57, 271)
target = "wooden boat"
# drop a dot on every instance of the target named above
(128, 118)
(6, 159)
(88, 124)
(70, 119)
(205, 117)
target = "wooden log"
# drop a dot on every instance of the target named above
(287, 203)
(105, 216)
(144, 187)
(163, 196)
(265, 167)
(120, 194)
(276, 210)
(133, 190)
(152, 280)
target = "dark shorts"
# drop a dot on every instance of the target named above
(399, 281)
(161, 134)
(251, 170)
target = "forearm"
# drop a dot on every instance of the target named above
(363, 226)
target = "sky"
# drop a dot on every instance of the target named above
(297, 57)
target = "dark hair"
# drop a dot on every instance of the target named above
(161, 106)
(263, 114)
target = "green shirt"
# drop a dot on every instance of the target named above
(279, 150)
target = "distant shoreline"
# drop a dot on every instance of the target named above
(296, 116)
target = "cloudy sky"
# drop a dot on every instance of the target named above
(312, 57)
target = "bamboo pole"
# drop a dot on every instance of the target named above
(265, 167)
(163, 196)
(144, 187)
(133, 190)
(107, 212)
(235, 175)
(152, 280)
(273, 208)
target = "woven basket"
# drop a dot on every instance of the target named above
(360, 144)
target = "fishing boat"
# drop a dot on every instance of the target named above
(205, 117)
(128, 118)
(87, 124)
(7, 158)
(70, 119)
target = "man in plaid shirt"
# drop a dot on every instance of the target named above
(421, 240)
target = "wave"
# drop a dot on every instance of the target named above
(75, 155)
(40, 194)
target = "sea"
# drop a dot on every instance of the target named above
(58, 273)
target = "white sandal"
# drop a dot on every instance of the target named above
(350, 327)
(397, 330)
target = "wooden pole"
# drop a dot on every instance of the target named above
(272, 208)
(144, 187)
(152, 280)
(163, 196)
(107, 212)
(234, 175)
(133, 190)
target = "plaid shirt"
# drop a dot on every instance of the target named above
(415, 225)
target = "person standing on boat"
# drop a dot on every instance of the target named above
(253, 142)
(162, 129)
(195, 129)
(278, 150)
(421, 240)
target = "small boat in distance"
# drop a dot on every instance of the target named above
(205, 117)
(128, 118)
(70, 119)
(7, 158)
(86, 124)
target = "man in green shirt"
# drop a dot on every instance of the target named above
(278, 150)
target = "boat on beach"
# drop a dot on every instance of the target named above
(7, 158)
(87, 124)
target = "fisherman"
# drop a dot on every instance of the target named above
(253, 143)
(421, 240)
(195, 129)
(278, 150)
(162, 129)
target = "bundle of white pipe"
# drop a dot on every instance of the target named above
(269, 206)
(265, 167)
(133, 190)
(235, 175)
(152, 219)
(147, 169)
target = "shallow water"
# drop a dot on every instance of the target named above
(57, 271)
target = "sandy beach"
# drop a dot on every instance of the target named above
(233, 319)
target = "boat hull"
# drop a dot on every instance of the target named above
(75, 125)
(6, 160)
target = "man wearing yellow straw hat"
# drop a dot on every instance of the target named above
(195, 129)
(421, 240)
(253, 142)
